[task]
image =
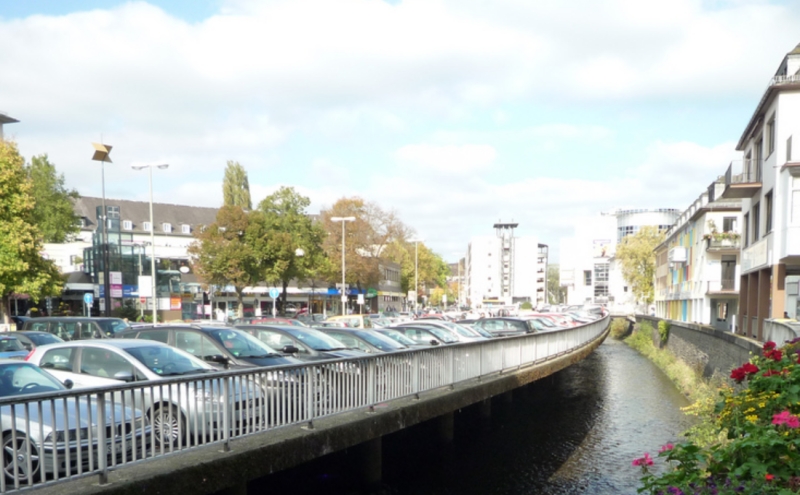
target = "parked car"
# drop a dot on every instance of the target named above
(461, 333)
(467, 331)
(31, 339)
(76, 327)
(19, 320)
(309, 319)
(267, 320)
(11, 347)
(506, 326)
(365, 340)
(306, 344)
(34, 443)
(176, 412)
(353, 321)
(222, 347)
(401, 338)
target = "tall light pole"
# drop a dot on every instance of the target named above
(101, 152)
(152, 235)
(343, 220)
(416, 270)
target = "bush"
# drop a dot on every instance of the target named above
(761, 449)
(663, 331)
(526, 305)
(619, 327)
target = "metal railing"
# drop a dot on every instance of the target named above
(48, 438)
(725, 285)
(780, 332)
(750, 172)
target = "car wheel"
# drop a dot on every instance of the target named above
(169, 427)
(23, 452)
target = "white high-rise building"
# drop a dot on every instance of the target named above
(504, 269)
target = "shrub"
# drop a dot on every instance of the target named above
(619, 327)
(526, 305)
(761, 449)
(663, 331)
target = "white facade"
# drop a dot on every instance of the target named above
(505, 270)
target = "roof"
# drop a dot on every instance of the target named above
(5, 119)
(138, 212)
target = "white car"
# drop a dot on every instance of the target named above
(177, 412)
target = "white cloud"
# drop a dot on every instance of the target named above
(446, 159)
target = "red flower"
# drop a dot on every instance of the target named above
(738, 375)
(769, 345)
(769, 477)
(749, 368)
(774, 355)
(771, 372)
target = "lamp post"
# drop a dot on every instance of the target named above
(101, 154)
(152, 235)
(343, 220)
(416, 270)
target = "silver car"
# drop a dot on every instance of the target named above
(44, 438)
(190, 411)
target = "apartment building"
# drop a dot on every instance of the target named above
(767, 180)
(505, 269)
(697, 265)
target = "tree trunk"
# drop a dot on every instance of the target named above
(285, 284)
(240, 300)
(5, 309)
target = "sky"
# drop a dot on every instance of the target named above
(456, 114)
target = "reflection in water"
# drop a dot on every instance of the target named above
(574, 432)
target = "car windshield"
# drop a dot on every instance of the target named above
(398, 337)
(167, 361)
(24, 378)
(463, 331)
(10, 344)
(113, 327)
(442, 334)
(43, 338)
(537, 325)
(383, 343)
(242, 344)
(315, 339)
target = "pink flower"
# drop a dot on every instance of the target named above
(666, 448)
(643, 461)
(786, 418)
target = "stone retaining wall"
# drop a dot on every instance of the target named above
(708, 350)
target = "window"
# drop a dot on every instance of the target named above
(166, 227)
(104, 363)
(587, 277)
(756, 222)
(768, 212)
(771, 135)
(58, 359)
(746, 230)
(147, 226)
(196, 343)
(158, 335)
(186, 229)
(729, 224)
(127, 225)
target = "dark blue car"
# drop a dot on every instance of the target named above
(11, 347)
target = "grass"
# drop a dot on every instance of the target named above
(619, 327)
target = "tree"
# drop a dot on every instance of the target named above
(430, 268)
(236, 187)
(636, 256)
(23, 270)
(288, 228)
(230, 251)
(556, 294)
(52, 212)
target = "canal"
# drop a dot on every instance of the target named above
(574, 432)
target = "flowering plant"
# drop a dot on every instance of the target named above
(762, 451)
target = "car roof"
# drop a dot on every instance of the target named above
(74, 318)
(118, 343)
(15, 361)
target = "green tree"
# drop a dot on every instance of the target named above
(556, 294)
(23, 270)
(636, 256)
(52, 212)
(236, 186)
(230, 251)
(292, 241)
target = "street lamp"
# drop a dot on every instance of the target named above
(101, 152)
(416, 270)
(152, 235)
(343, 220)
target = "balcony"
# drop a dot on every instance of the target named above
(731, 244)
(677, 255)
(744, 184)
(721, 287)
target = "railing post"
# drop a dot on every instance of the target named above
(102, 455)
(371, 381)
(226, 414)
(415, 373)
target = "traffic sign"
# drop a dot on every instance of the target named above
(88, 298)
(274, 293)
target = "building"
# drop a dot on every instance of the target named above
(5, 119)
(767, 180)
(504, 269)
(587, 267)
(697, 265)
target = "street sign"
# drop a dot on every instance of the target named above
(88, 298)
(360, 299)
(344, 298)
(274, 293)
(372, 293)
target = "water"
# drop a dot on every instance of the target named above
(574, 432)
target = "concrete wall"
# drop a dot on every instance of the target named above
(707, 350)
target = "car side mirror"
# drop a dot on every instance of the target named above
(290, 349)
(69, 384)
(28, 347)
(125, 376)
(434, 342)
(217, 358)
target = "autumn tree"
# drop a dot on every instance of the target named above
(230, 251)
(556, 294)
(23, 270)
(53, 211)
(636, 256)
(292, 241)
(236, 186)
(415, 258)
